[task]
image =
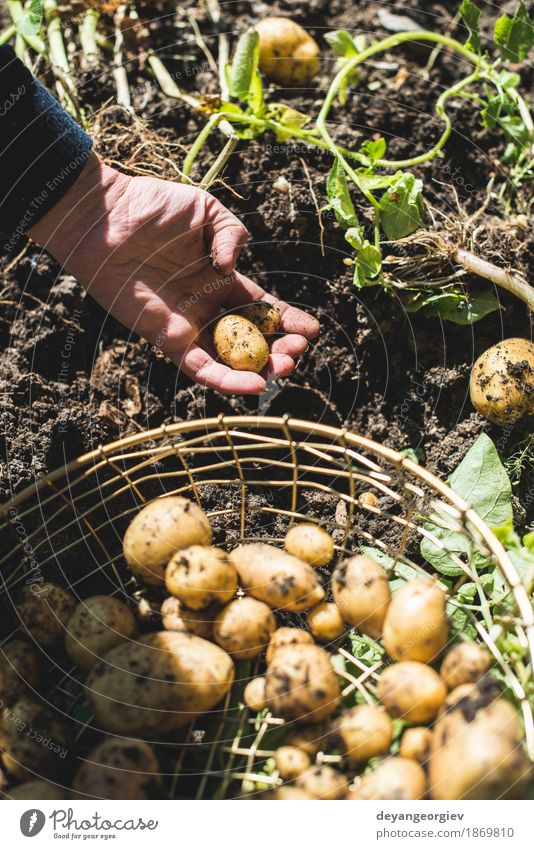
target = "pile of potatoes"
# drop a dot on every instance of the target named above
(152, 668)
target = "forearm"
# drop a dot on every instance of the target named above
(42, 151)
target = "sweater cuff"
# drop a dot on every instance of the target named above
(42, 150)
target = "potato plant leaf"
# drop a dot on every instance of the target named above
(482, 481)
(338, 194)
(401, 206)
(30, 23)
(368, 259)
(514, 36)
(243, 71)
(455, 306)
(343, 44)
(471, 17)
(373, 150)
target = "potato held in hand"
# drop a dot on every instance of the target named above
(265, 316)
(158, 531)
(502, 381)
(276, 577)
(159, 683)
(415, 627)
(288, 54)
(239, 344)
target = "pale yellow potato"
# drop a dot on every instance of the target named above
(34, 740)
(287, 794)
(36, 790)
(265, 316)
(323, 782)
(239, 344)
(415, 626)
(416, 743)
(394, 778)
(97, 625)
(287, 637)
(161, 528)
(244, 627)
(254, 694)
(291, 762)
(301, 684)
(154, 685)
(361, 592)
(280, 580)
(465, 663)
(325, 622)
(412, 691)
(44, 610)
(363, 732)
(178, 617)
(308, 738)
(201, 575)
(477, 748)
(311, 543)
(288, 54)
(502, 381)
(19, 670)
(118, 769)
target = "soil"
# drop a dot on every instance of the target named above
(72, 378)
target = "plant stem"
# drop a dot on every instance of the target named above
(7, 34)
(198, 144)
(167, 82)
(482, 268)
(219, 163)
(16, 10)
(87, 31)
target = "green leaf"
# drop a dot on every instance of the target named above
(339, 198)
(244, 64)
(30, 23)
(373, 150)
(514, 36)
(482, 481)
(255, 95)
(368, 259)
(343, 44)
(401, 206)
(471, 17)
(455, 306)
(289, 117)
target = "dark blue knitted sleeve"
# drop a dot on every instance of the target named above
(42, 150)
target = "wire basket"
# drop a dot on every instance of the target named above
(255, 477)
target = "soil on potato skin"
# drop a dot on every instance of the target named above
(72, 377)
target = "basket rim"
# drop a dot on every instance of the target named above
(351, 438)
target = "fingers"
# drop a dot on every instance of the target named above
(225, 235)
(294, 320)
(291, 344)
(201, 367)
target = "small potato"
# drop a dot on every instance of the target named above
(34, 740)
(254, 694)
(394, 778)
(361, 592)
(19, 670)
(323, 782)
(239, 344)
(288, 794)
(325, 622)
(502, 381)
(287, 637)
(415, 626)
(291, 762)
(44, 610)
(118, 769)
(477, 750)
(200, 576)
(288, 54)
(363, 732)
(161, 528)
(301, 684)
(416, 743)
(276, 577)
(265, 316)
(36, 790)
(158, 683)
(244, 627)
(411, 690)
(98, 623)
(465, 663)
(307, 738)
(178, 617)
(311, 543)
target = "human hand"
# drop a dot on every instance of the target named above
(160, 257)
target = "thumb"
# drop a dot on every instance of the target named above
(225, 235)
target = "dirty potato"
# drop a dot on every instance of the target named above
(502, 381)
(239, 344)
(201, 575)
(361, 592)
(291, 762)
(465, 663)
(301, 684)
(177, 617)
(97, 625)
(287, 637)
(323, 782)
(288, 54)
(34, 740)
(412, 691)
(394, 778)
(325, 622)
(244, 627)
(416, 743)
(161, 528)
(265, 316)
(362, 732)
(44, 610)
(276, 577)
(254, 694)
(19, 670)
(311, 543)
(118, 769)
(415, 626)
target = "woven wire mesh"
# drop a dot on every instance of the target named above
(255, 477)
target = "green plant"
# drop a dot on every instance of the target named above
(393, 193)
